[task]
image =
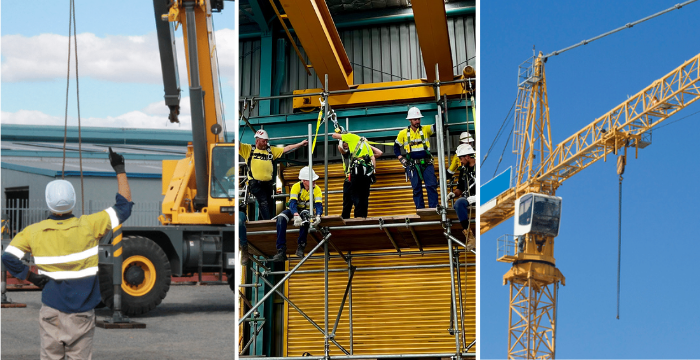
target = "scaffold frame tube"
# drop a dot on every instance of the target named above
(302, 313)
(284, 279)
(370, 268)
(368, 131)
(382, 356)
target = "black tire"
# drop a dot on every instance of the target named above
(143, 303)
(231, 279)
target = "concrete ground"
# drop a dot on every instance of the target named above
(192, 322)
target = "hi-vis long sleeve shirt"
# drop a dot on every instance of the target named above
(65, 249)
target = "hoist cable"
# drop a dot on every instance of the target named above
(65, 126)
(626, 26)
(619, 245)
(77, 96)
(498, 134)
(503, 152)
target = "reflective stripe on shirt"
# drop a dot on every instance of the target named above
(46, 260)
(113, 217)
(64, 275)
(15, 251)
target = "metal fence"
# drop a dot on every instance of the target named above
(21, 213)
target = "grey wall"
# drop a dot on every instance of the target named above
(99, 192)
(379, 54)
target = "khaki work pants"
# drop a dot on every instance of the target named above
(66, 336)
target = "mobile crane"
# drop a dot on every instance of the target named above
(542, 168)
(199, 204)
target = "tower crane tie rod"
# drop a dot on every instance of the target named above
(626, 26)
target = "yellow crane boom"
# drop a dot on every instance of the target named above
(621, 126)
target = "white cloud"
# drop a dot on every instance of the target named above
(153, 116)
(131, 59)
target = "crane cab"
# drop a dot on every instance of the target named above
(537, 214)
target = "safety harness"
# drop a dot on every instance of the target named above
(421, 164)
(270, 157)
(359, 165)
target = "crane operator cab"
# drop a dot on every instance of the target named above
(224, 175)
(537, 219)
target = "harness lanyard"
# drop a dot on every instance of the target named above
(318, 126)
(250, 160)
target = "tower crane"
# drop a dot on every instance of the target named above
(542, 167)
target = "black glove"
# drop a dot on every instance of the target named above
(117, 161)
(404, 162)
(38, 280)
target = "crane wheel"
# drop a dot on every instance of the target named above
(145, 276)
(231, 279)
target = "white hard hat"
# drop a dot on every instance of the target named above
(60, 196)
(261, 134)
(304, 174)
(465, 149)
(414, 113)
(466, 137)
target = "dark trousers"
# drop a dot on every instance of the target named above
(430, 186)
(242, 238)
(285, 217)
(262, 190)
(360, 195)
(462, 208)
(347, 199)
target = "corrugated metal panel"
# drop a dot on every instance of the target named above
(394, 311)
(378, 54)
(381, 202)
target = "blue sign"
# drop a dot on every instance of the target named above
(496, 186)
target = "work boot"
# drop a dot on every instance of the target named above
(300, 250)
(281, 255)
(245, 256)
(471, 240)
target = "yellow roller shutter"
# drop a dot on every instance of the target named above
(404, 311)
(384, 202)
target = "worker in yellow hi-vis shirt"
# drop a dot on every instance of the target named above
(418, 160)
(260, 169)
(301, 212)
(360, 172)
(464, 138)
(65, 252)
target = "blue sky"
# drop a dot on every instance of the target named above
(659, 317)
(119, 67)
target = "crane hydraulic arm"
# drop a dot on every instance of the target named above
(187, 183)
(622, 126)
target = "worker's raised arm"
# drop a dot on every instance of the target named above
(123, 205)
(377, 152)
(289, 148)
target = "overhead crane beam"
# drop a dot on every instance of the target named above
(314, 26)
(434, 38)
(622, 125)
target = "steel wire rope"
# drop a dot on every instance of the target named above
(499, 133)
(72, 25)
(77, 96)
(503, 152)
(677, 120)
(463, 61)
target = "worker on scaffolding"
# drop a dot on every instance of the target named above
(300, 212)
(259, 160)
(464, 138)
(465, 193)
(418, 161)
(360, 172)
